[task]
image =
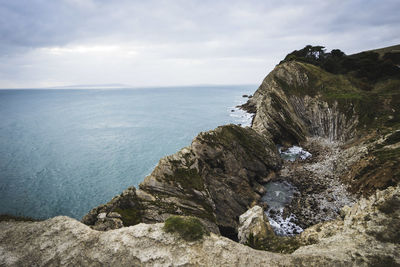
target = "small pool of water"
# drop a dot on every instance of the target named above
(293, 153)
(278, 195)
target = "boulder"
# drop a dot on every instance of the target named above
(110, 221)
(215, 179)
(368, 236)
(255, 222)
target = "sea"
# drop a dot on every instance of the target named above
(66, 151)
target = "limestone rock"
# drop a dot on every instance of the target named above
(122, 210)
(63, 241)
(105, 224)
(288, 109)
(219, 176)
(368, 236)
(101, 215)
(253, 222)
(114, 215)
(369, 233)
(215, 179)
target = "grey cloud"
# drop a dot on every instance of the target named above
(247, 31)
(38, 23)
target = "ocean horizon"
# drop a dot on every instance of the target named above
(66, 151)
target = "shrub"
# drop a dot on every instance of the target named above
(129, 217)
(366, 66)
(189, 228)
(274, 243)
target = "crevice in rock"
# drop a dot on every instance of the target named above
(229, 232)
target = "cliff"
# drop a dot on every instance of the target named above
(298, 101)
(219, 176)
(361, 239)
(350, 126)
(216, 179)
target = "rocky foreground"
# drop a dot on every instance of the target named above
(348, 195)
(368, 235)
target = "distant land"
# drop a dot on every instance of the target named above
(127, 86)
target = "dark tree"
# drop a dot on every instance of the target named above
(366, 66)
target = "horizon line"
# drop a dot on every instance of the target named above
(105, 87)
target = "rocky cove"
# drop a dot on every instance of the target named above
(345, 196)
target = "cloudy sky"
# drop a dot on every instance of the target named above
(50, 43)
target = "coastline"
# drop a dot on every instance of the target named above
(83, 155)
(347, 193)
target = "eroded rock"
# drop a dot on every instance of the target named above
(254, 222)
(288, 107)
(216, 179)
(368, 236)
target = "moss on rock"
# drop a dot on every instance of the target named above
(375, 104)
(274, 243)
(229, 135)
(130, 216)
(187, 178)
(188, 228)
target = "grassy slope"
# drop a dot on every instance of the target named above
(382, 51)
(377, 108)
(378, 112)
(379, 116)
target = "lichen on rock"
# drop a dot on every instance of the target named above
(351, 180)
(214, 180)
(367, 236)
(253, 222)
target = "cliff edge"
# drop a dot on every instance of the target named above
(360, 239)
(347, 194)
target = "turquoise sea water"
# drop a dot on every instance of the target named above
(63, 152)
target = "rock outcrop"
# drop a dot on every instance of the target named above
(221, 174)
(354, 137)
(216, 179)
(253, 222)
(360, 239)
(353, 134)
(369, 232)
(289, 105)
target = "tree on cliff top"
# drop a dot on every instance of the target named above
(366, 66)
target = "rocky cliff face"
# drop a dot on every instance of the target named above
(297, 101)
(370, 228)
(367, 236)
(290, 106)
(221, 174)
(354, 137)
(216, 179)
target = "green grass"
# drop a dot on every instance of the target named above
(274, 243)
(393, 138)
(384, 155)
(229, 136)
(373, 103)
(187, 178)
(188, 228)
(382, 51)
(129, 216)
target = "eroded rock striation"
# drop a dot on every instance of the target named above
(253, 223)
(352, 133)
(348, 194)
(216, 179)
(296, 101)
(367, 236)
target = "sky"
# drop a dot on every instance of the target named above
(56, 43)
